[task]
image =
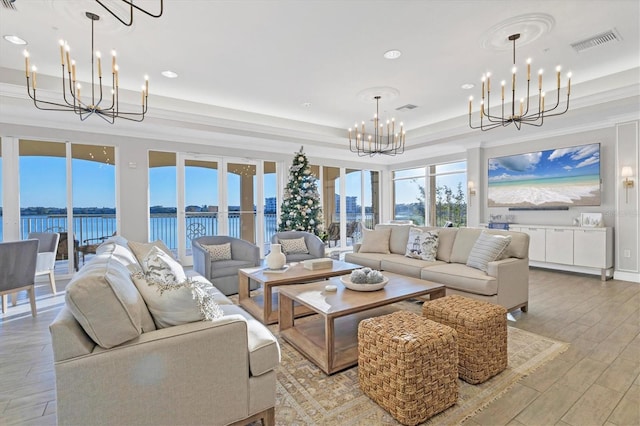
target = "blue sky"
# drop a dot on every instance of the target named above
(553, 163)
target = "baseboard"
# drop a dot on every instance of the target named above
(633, 277)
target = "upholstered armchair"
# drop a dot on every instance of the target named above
(18, 271)
(47, 251)
(214, 262)
(315, 246)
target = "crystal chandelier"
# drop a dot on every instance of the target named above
(530, 112)
(131, 7)
(382, 141)
(92, 103)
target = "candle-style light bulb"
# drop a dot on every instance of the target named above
(61, 42)
(114, 67)
(146, 84)
(67, 51)
(528, 69)
(73, 70)
(569, 84)
(558, 69)
(33, 77)
(470, 103)
(99, 56)
(25, 52)
(503, 83)
(540, 79)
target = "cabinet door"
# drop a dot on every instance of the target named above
(536, 243)
(589, 248)
(559, 246)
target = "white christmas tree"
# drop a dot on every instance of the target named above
(300, 209)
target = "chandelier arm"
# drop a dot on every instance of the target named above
(130, 3)
(64, 90)
(116, 16)
(559, 113)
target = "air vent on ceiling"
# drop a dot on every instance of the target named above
(407, 106)
(597, 40)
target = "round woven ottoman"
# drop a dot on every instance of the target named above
(482, 334)
(408, 365)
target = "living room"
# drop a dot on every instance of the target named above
(249, 128)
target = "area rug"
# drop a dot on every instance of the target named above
(306, 396)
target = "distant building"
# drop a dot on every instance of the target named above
(270, 205)
(352, 204)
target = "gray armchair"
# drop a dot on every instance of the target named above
(18, 270)
(47, 251)
(314, 245)
(224, 273)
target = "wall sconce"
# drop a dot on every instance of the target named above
(627, 183)
(472, 188)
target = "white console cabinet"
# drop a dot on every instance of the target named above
(573, 248)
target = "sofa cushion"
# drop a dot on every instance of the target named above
(216, 294)
(461, 277)
(446, 238)
(398, 238)
(371, 260)
(293, 245)
(140, 250)
(465, 239)
(218, 251)
(375, 240)
(519, 245)
(422, 244)
(404, 265)
(119, 252)
(171, 298)
(264, 352)
(103, 299)
(487, 248)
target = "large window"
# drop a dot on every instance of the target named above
(1, 218)
(409, 195)
(163, 219)
(435, 194)
(448, 196)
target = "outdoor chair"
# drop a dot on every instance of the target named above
(211, 259)
(47, 250)
(18, 271)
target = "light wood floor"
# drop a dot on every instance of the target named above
(596, 382)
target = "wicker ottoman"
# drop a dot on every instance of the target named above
(482, 334)
(408, 365)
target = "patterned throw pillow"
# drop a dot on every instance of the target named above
(219, 251)
(422, 244)
(171, 297)
(141, 250)
(294, 245)
(487, 248)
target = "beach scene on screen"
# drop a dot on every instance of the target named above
(553, 178)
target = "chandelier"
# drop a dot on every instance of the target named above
(382, 141)
(92, 103)
(131, 7)
(530, 112)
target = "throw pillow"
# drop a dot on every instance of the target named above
(219, 251)
(171, 297)
(375, 241)
(487, 249)
(422, 244)
(294, 245)
(141, 250)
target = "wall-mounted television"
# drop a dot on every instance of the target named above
(556, 178)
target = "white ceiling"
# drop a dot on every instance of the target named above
(268, 57)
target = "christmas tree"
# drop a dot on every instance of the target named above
(300, 210)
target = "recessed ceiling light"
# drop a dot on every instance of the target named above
(468, 86)
(169, 74)
(392, 54)
(14, 39)
(306, 104)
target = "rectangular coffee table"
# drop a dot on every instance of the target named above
(331, 340)
(264, 307)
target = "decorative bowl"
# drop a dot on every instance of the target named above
(346, 280)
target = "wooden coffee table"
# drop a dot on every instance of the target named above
(264, 307)
(330, 341)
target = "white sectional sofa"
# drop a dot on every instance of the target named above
(505, 282)
(113, 366)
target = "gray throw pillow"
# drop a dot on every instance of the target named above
(487, 249)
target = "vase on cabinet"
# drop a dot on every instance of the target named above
(276, 259)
